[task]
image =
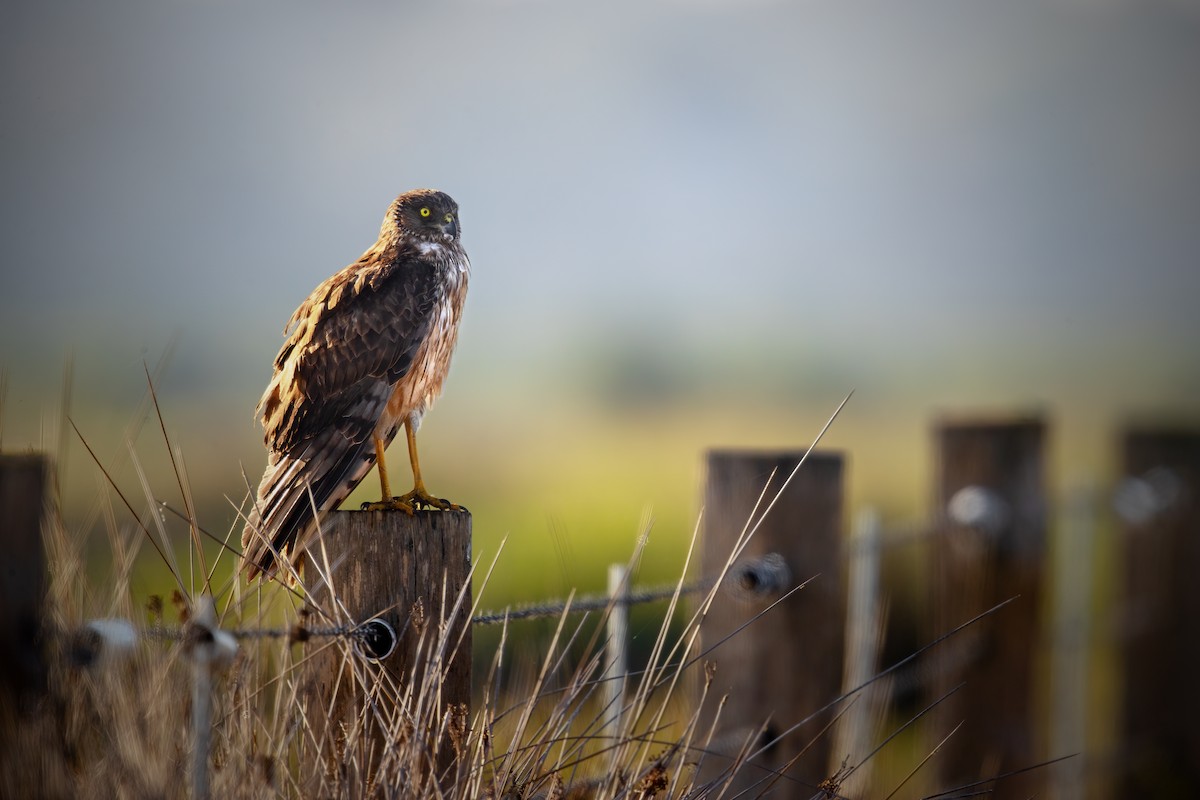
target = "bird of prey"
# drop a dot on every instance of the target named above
(367, 352)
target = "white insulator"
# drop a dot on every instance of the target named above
(1138, 500)
(979, 507)
(209, 644)
(111, 637)
(1134, 502)
(225, 647)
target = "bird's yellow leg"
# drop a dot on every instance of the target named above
(387, 503)
(385, 489)
(419, 496)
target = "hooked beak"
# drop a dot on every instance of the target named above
(450, 227)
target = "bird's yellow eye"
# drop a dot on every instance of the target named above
(425, 212)
(449, 218)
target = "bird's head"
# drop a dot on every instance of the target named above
(425, 215)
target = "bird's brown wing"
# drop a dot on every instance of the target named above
(351, 341)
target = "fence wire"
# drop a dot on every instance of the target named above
(757, 577)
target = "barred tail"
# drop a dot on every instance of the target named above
(282, 523)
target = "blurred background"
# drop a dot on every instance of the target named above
(692, 224)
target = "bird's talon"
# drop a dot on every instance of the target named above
(423, 501)
(394, 504)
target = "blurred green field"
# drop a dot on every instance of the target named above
(567, 477)
(567, 488)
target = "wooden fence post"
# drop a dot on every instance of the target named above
(787, 664)
(409, 572)
(1159, 503)
(991, 520)
(24, 491)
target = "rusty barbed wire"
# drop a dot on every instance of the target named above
(747, 579)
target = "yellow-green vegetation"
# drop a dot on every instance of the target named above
(119, 718)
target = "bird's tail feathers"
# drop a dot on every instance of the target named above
(281, 523)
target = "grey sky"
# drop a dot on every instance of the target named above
(885, 184)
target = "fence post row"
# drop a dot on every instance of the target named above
(780, 668)
(788, 663)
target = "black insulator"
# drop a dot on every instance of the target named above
(376, 639)
(759, 577)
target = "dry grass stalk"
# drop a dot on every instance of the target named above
(116, 722)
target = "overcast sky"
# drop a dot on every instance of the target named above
(905, 187)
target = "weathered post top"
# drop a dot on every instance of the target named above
(412, 572)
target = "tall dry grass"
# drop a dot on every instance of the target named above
(119, 716)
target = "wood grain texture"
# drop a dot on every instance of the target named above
(408, 571)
